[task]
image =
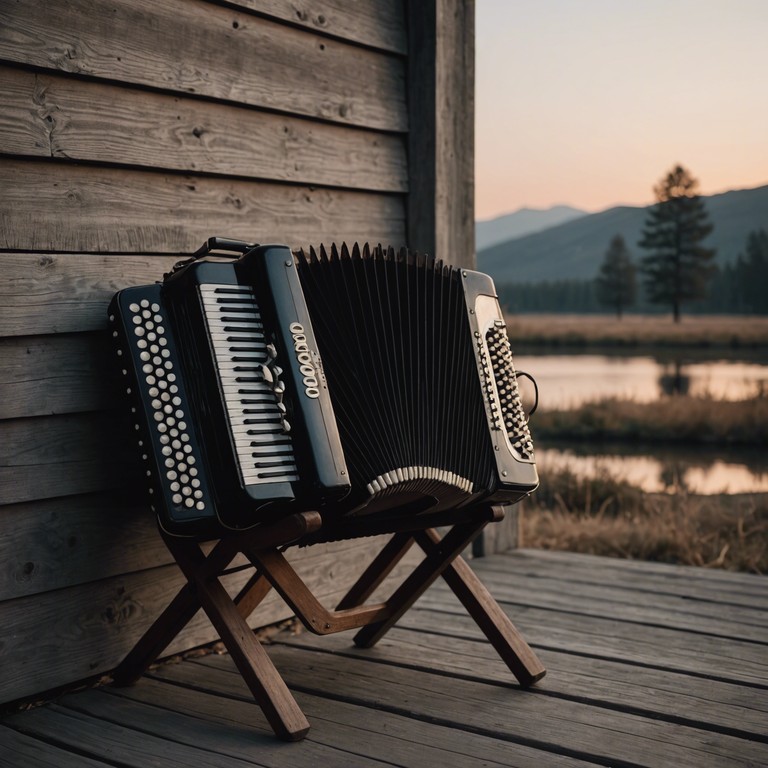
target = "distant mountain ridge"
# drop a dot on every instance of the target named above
(524, 221)
(575, 249)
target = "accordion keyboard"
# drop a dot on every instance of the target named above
(250, 385)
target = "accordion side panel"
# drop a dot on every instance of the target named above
(513, 447)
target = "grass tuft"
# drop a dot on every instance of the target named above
(606, 516)
(677, 419)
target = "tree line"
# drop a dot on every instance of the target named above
(677, 267)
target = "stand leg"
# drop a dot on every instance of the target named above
(255, 666)
(495, 624)
(154, 641)
(421, 578)
(381, 566)
(251, 595)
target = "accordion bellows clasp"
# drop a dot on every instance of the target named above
(354, 381)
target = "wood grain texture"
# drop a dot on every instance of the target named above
(433, 693)
(604, 637)
(194, 47)
(496, 710)
(666, 693)
(67, 118)
(48, 375)
(441, 98)
(79, 725)
(363, 734)
(19, 749)
(44, 457)
(57, 207)
(57, 543)
(90, 627)
(374, 23)
(65, 292)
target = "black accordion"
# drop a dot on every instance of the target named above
(360, 383)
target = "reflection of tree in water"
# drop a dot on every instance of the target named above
(674, 382)
(672, 476)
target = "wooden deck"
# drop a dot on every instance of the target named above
(648, 665)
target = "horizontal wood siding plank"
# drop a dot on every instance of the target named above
(57, 543)
(375, 23)
(48, 375)
(68, 118)
(45, 546)
(90, 627)
(61, 207)
(64, 292)
(45, 457)
(189, 46)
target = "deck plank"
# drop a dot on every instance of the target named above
(507, 713)
(647, 665)
(19, 749)
(338, 725)
(656, 647)
(674, 697)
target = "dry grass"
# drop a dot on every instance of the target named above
(604, 516)
(673, 419)
(694, 331)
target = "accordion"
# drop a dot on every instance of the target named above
(355, 382)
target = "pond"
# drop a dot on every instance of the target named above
(670, 470)
(569, 380)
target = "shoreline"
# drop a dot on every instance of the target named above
(695, 332)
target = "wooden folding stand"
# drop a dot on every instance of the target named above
(262, 548)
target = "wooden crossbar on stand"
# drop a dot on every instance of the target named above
(262, 547)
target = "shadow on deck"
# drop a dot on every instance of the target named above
(648, 665)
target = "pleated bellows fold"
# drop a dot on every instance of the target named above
(393, 335)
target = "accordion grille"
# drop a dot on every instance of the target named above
(393, 335)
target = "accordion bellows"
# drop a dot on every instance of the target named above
(355, 381)
(400, 356)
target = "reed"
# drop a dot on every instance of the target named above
(694, 331)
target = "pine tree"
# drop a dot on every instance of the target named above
(615, 283)
(677, 267)
(753, 272)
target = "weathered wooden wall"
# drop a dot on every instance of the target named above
(131, 130)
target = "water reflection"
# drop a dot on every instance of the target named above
(568, 381)
(668, 471)
(674, 382)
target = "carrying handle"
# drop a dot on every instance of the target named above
(210, 245)
(222, 244)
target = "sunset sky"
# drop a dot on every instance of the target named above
(590, 102)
